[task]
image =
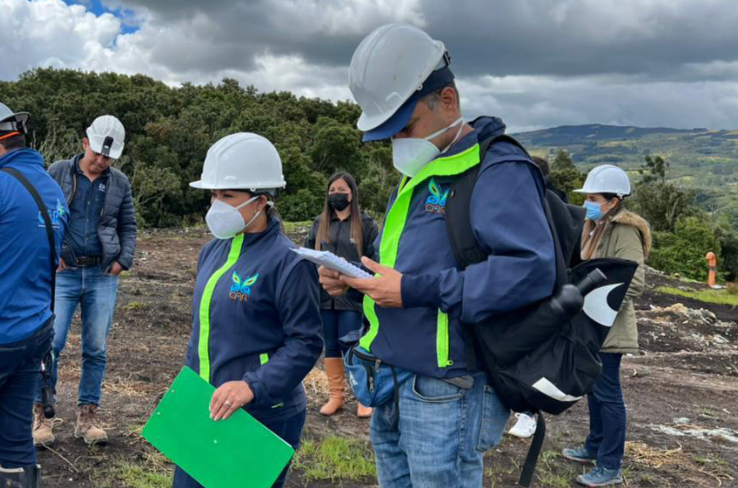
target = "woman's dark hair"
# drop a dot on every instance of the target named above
(542, 165)
(357, 231)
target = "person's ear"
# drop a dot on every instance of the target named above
(262, 203)
(450, 100)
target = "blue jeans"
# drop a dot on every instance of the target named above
(441, 436)
(20, 371)
(96, 292)
(289, 429)
(341, 328)
(607, 417)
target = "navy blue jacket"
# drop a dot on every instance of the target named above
(25, 270)
(509, 223)
(263, 318)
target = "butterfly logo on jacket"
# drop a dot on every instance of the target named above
(436, 202)
(55, 215)
(241, 287)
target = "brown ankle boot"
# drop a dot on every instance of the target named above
(87, 426)
(363, 412)
(335, 374)
(43, 428)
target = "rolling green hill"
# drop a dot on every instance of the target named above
(706, 160)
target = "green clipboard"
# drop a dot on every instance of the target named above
(238, 452)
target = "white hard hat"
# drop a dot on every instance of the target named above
(107, 136)
(607, 178)
(12, 122)
(241, 161)
(389, 67)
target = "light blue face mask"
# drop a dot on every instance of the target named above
(594, 210)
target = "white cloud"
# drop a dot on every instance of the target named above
(51, 33)
(534, 102)
(535, 63)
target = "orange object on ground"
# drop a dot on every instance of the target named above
(711, 275)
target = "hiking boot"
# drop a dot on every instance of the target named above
(363, 412)
(334, 370)
(580, 455)
(43, 428)
(87, 426)
(600, 476)
(524, 427)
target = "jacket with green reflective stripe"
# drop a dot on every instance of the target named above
(426, 336)
(256, 317)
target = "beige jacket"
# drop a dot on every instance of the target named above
(628, 237)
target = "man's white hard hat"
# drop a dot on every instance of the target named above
(390, 70)
(107, 136)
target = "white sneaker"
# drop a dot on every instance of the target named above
(524, 427)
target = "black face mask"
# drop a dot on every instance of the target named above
(338, 201)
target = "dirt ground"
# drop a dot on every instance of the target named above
(681, 391)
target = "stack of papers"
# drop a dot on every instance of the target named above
(330, 260)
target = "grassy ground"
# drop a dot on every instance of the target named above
(720, 297)
(684, 372)
(335, 459)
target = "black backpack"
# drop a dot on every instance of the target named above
(544, 357)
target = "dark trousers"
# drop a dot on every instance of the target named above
(341, 328)
(607, 414)
(289, 429)
(20, 372)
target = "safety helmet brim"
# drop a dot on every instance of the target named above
(269, 187)
(395, 124)
(19, 117)
(438, 79)
(16, 119)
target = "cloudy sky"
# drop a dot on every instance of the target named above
(535, 63)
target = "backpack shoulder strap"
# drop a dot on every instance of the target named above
(458, 220)
(458, 208)
(47, 221)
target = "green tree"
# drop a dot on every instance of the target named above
(169, 130)
(654, 170)
(662, 204)
(562, 162)
(683, 251)
(568, 180)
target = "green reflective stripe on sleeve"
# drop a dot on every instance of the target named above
(264, 358)
(442, 341)
(203, 351)
(394, 225)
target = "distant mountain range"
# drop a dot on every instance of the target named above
(704, 159)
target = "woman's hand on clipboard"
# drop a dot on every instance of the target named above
(228, 398)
